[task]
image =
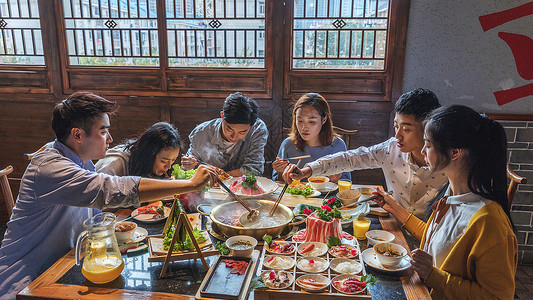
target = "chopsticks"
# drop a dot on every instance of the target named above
(290, 158)
(282, 192)
(366, 200)
(224, 186)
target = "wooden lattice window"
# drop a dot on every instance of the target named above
(111, 32)
(340, 34)
(216, 33)
(20, 33)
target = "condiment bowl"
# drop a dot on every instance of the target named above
(241, 245)
(379, 236)
(389, 254)
(124, 231)
(355, 267)
(348, 196)
(318, 182)
(305, 282)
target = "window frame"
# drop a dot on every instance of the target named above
(276, 81)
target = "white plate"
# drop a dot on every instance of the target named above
(329, 186)
(369, 256)
(289, 262)
(305, 261)
(314, 194)
(266, 184)
(341, 278)
(336, 261)
(316, 277)
(139, 235)
(149, 218)
(318, 250)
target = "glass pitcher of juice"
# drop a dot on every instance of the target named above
(102, 262)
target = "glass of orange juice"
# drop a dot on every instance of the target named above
(344, 185)
(360, 227)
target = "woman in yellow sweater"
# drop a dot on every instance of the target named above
(468, 247)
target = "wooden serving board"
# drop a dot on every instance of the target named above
(246, 284)
(294, 292)
(207, 249)
(156, 244)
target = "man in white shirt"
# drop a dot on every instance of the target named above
(400, 157)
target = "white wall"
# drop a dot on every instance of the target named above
(449, 53)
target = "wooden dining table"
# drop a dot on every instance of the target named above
(140, 278)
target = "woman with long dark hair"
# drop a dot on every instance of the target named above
(151, 155)
(311, 134)
(468, 247)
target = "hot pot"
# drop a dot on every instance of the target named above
(222, 213)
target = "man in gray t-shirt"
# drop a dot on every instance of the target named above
(235, 142)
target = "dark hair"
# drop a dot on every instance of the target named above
(460, 127)
(144, 150)
(418, 103)
(318, 102)
(239, 109)
(79, 110)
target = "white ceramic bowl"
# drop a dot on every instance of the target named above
(347, 251)
(338, 280)
(265, 275)
(388, 261)
(312, 264)
(379, 236)
(356, 266)
(273, 261)
(318, 250)
(281, 243)
(316, 278)
(318, 182)
(348, 196)
(234, 244)
(123, 236)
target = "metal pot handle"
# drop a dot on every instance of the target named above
(198, 208)
(303, 216)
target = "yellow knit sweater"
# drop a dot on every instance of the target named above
(482, 264)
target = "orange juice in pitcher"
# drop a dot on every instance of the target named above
(102, 262)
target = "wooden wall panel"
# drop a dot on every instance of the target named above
(346, 85)
(33, 79)
(218, 82)
(100, 80)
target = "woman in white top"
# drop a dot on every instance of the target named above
(468, 247)
(151, 155)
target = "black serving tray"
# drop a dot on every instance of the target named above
(221, 283)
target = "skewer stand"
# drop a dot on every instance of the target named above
(182, 220)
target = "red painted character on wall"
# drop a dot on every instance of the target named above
(521, 46)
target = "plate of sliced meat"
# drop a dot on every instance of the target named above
(250, 186)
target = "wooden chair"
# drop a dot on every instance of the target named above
(345, 134)
(6, 189)
(29, 156)
(515, 180)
